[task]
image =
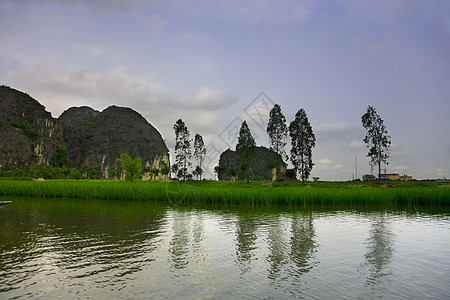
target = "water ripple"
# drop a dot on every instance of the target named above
(113, 250)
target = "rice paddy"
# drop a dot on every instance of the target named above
(255, 193)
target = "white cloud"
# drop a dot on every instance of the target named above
(211, 99)
(326, 164)
(401, 168)
(324, 161)
(332, 128)
(59, 89)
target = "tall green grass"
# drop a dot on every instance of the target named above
(258, 193)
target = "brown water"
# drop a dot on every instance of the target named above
(52, 248)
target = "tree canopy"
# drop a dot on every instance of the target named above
(277, 131)
(183, 152)
(377, 139)
(199, 154)
(131, 167)
(302, 141)
(245, 149)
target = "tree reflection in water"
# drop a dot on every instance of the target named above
(278, 245)
(380, 247)
(179, 244)
(246, 229)
(303, 245)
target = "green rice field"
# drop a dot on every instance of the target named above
(427, 193)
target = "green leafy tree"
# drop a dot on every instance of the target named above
(377, 139)
(183, 152)
(154, 172)
(27, 129)
(302, 141)
(60, 157)
(131, 167)
(165, 170)
(199, 154)
(112, 172)
(245, 149)
(291, 174)
(198, 172)
(219, 171)
(94, 172)
(277, 131)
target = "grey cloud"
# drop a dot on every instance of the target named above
(339, 130)
(99, 5)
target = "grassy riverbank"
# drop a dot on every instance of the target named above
(256, 193)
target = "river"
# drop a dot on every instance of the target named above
(99, 249)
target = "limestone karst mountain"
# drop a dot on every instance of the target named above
(29, 134)
(96, 138)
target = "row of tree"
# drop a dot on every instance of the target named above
(302, 141)
(300, 132)
(183, 152)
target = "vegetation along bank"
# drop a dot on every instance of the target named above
(430, 193)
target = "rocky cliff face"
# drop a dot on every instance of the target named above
(96, 138)
(29, 134)
(263, 167)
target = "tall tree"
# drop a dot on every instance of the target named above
(183, 152)
(376, 139)
(245, 149)
(302, 141)
(277, 131)
(199, 154)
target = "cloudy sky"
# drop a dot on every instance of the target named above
(216, 63)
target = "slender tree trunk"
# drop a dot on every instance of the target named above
(184, 168)
(379, 169)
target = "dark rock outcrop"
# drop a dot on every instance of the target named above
(262, 167)
(29, 133)
(96, 138)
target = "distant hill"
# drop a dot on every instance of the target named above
(29, 133)
(96, 138)
(263, 168)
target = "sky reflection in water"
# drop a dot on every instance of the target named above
(100, 249)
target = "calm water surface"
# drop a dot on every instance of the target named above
(52, 248)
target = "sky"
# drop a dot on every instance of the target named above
(216, 63)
